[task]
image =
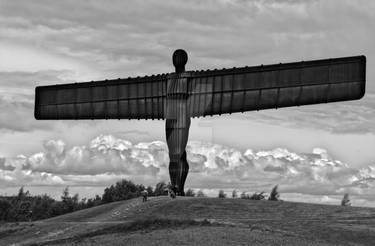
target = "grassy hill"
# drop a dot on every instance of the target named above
(199, 221)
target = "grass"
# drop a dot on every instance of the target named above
(213, 220)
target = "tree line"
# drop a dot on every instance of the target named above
(27, 207)
(273, 196)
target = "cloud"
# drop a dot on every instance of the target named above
(104, 154)
(17, 175)
(116, 39)
(26, 81)
(110, 41)
(311, 173)
(17, 98)
(5, 167)
(18, 116)
(355, 117)
(107, 158)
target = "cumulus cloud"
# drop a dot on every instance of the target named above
(104, 154)
(16, 175)
(104, 160)
(107, 158)
(309, 173)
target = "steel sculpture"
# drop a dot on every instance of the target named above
(178, 96)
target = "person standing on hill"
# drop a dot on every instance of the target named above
(144, 195)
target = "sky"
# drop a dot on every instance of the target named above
(314, 153)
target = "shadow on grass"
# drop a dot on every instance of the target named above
(146, 225)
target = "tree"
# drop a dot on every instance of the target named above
(200, 194)
(25, 207)
(6, 210)
(258, 196)
(108, 195)
(41, 207)
(122, 190)
(97, 198)
(69, 203)
(82, 204)
(24, 211)
(90, 203)
(274, 195)
(345, 200)
(244, 195)
(126, 189)
(57, 208)
(94, 202)
(221, 194)
(65, 194)
(190, 192)
(140, 188)
(150, 190)
(161, 189)
(22, 194)
(234, 194)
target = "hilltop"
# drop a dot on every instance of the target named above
(199, 221)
